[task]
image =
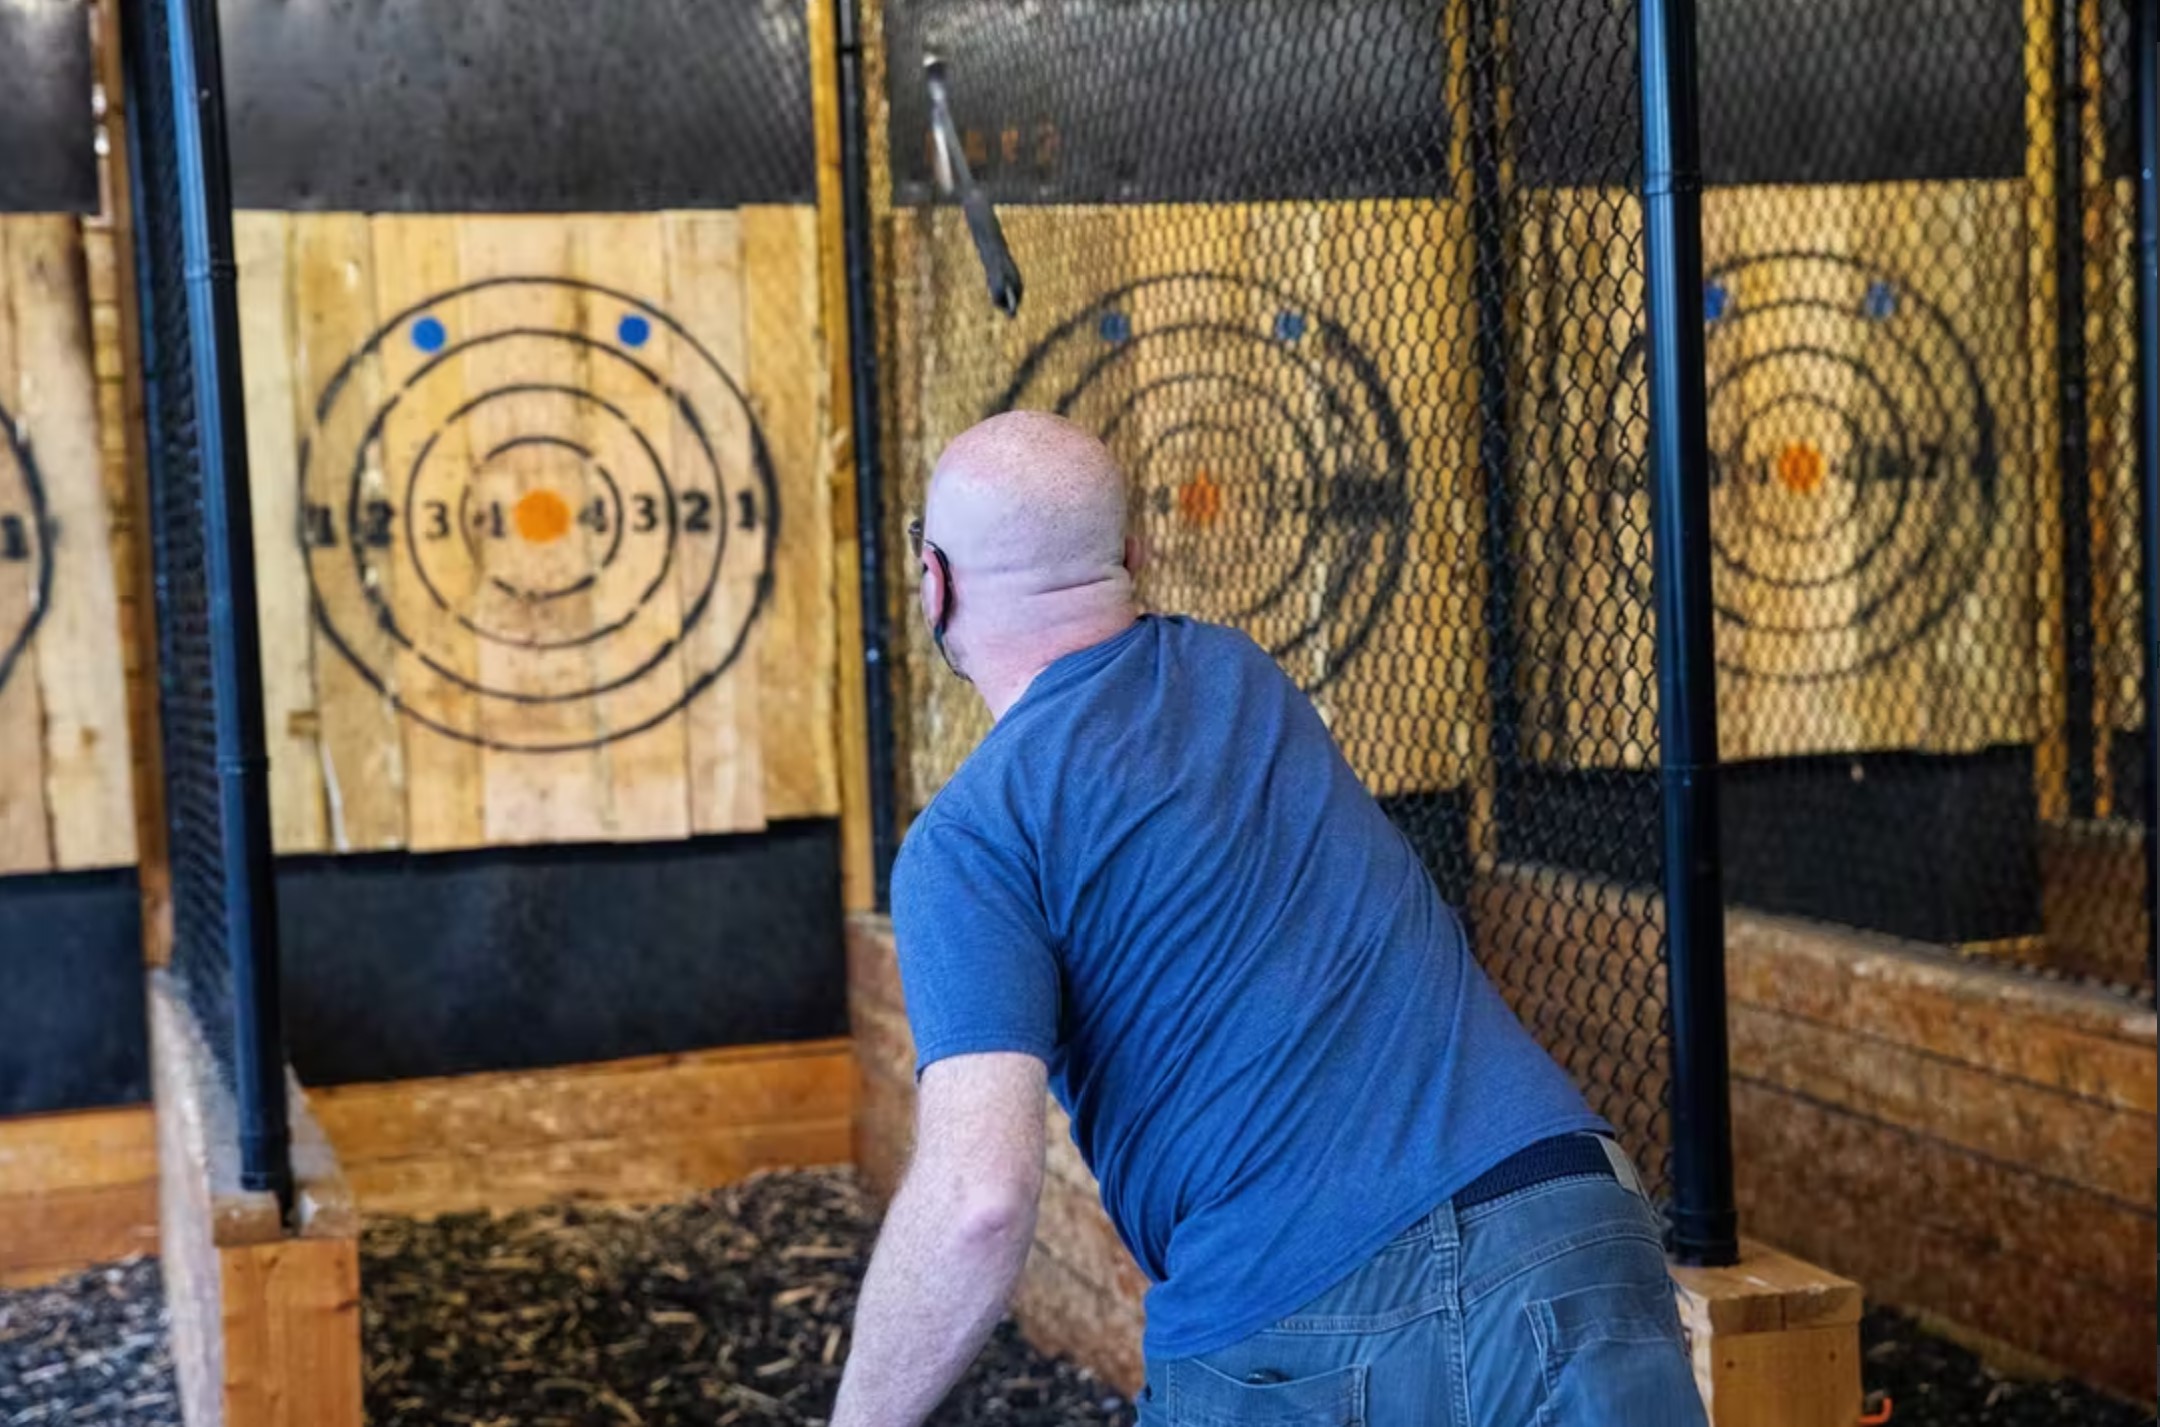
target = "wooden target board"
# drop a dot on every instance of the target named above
(541, 519)
(65, 792)
(1873, 554)
(1301, 446)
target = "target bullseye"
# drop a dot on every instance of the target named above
(1855, 465)
(576, 513)
(1800, 468)
(1268, 463)
(26, 570)
(542, 517)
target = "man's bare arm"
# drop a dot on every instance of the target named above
(954, 1240)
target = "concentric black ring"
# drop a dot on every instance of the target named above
(343, 468)
(27, 529)
(1256, 365)
(1896, 388)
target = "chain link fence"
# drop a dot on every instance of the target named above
(1356, 295)
(1347, 289)
(1917, 237)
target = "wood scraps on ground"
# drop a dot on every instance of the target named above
(730, 1308)
(89, 1350)
(734, 1307)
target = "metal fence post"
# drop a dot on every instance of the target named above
(869, 497)
(2145, 104)
(1705, 1224)
(2073, 445)
(246, 890)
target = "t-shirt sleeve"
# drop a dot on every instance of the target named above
(977, 962)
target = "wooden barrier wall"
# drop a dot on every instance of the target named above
(65, 792)
(1278, 397)
(541, 508)
(1881, 358)
(1960, 1138)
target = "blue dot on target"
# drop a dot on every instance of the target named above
(428, 334)
(1289, 326)
(1715, 299)
(1881, 300)
(634, 330)
(1114, 327)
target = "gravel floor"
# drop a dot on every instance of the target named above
(730, 1308)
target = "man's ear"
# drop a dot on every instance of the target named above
(931, 596)
(1135, 555)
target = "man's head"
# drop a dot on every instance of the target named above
(1028, 513)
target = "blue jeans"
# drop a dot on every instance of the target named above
(1550, 1305)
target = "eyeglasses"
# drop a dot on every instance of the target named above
(918, 545)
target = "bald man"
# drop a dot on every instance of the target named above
(1360, 1192)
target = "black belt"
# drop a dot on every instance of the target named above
(1562, 1157)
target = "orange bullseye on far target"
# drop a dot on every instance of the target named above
(541, 516)
(1200, 500)
(1800, 468)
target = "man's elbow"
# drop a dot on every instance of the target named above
(996, 1211)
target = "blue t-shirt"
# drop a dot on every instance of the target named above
(1158, 874)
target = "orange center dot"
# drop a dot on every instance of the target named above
(1200, 500)
(1800, 468)
(542, 516)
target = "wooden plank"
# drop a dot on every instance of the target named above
(788, 392)
(949, 329)
(884, 1129)
(2043, 402)
(416, 257)
(361, 741)
(2097, 1146)
(1062, 1313)
(291, 1327)
(1774, 1340)
(1070, 1223)
(629, 1170)
(2078, 1040)
(857, 879)
(643, 775)
(1765, 1292)
(53, 1232)
(80, 676)
(1809, 1378)
(873, 967)
(530, 797)
(2092, 900)
(882, 1041)
(723, 728)
(2006, 1249)
(285, 613)
(77, 1149)
(110, 243)
(685, 1094)
(25, 832)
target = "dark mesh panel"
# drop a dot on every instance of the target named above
(224, 909)
(1353, 292)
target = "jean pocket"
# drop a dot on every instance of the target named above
(1614, 1353)
(1199, 1396)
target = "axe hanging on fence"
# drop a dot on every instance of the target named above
(954, 177)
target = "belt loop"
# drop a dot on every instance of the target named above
(1623, 1168)
(1446, 1229)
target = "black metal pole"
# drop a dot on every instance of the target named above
(2073, 445)
(1488, 228)
(250, 899)
(1705, 1223)
(2145, 104)
(869, 495)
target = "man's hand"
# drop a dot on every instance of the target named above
(954, 1240)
